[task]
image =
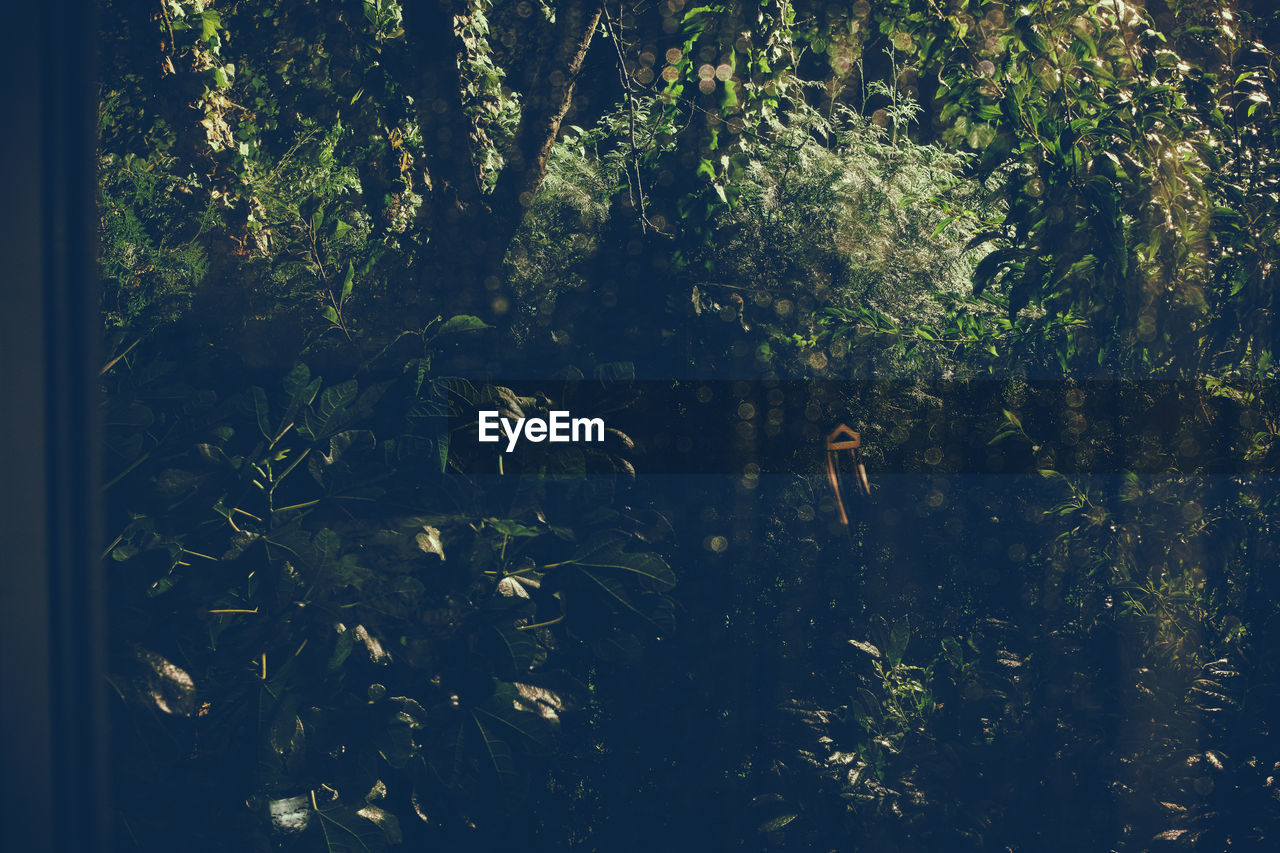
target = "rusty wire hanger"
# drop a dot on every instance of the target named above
(842, 438)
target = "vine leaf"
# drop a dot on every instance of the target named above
(331, 411)
(607, 554)
(519, 650)
(899, 637)
(497, 751)
(262, 409)
(384, 820)
(618, 591)
(346, 830)
(428, 541)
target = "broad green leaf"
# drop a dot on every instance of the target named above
(614, 587)
(287, 736)
(297, 379)
(943, 225)
(899, 637)
(989, 267)
(462, 323)
(507, 527)
(411, 712)
(395, 744)
(880, 633)
(506, 715)
(326, 543)
(165, 685)
(342, 647)
(262, 409)
(348, 280)
(608, 555)
(952, 651)
(777, 823)
(210, 23)
(497, 752)
(442, 448)
(520, 650)
(330, 413)
(344, 830)
(616, 371)
(335, 397)
(384, 820)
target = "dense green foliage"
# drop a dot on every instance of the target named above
(303, 555)
(1028, 251)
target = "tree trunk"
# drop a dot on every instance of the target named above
(466, 231)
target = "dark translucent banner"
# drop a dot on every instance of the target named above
(765, 426)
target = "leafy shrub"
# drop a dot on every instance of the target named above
(326, 633)
(150, 271)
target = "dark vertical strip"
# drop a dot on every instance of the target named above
(51, 639)
(25, 739)
(76, 651)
